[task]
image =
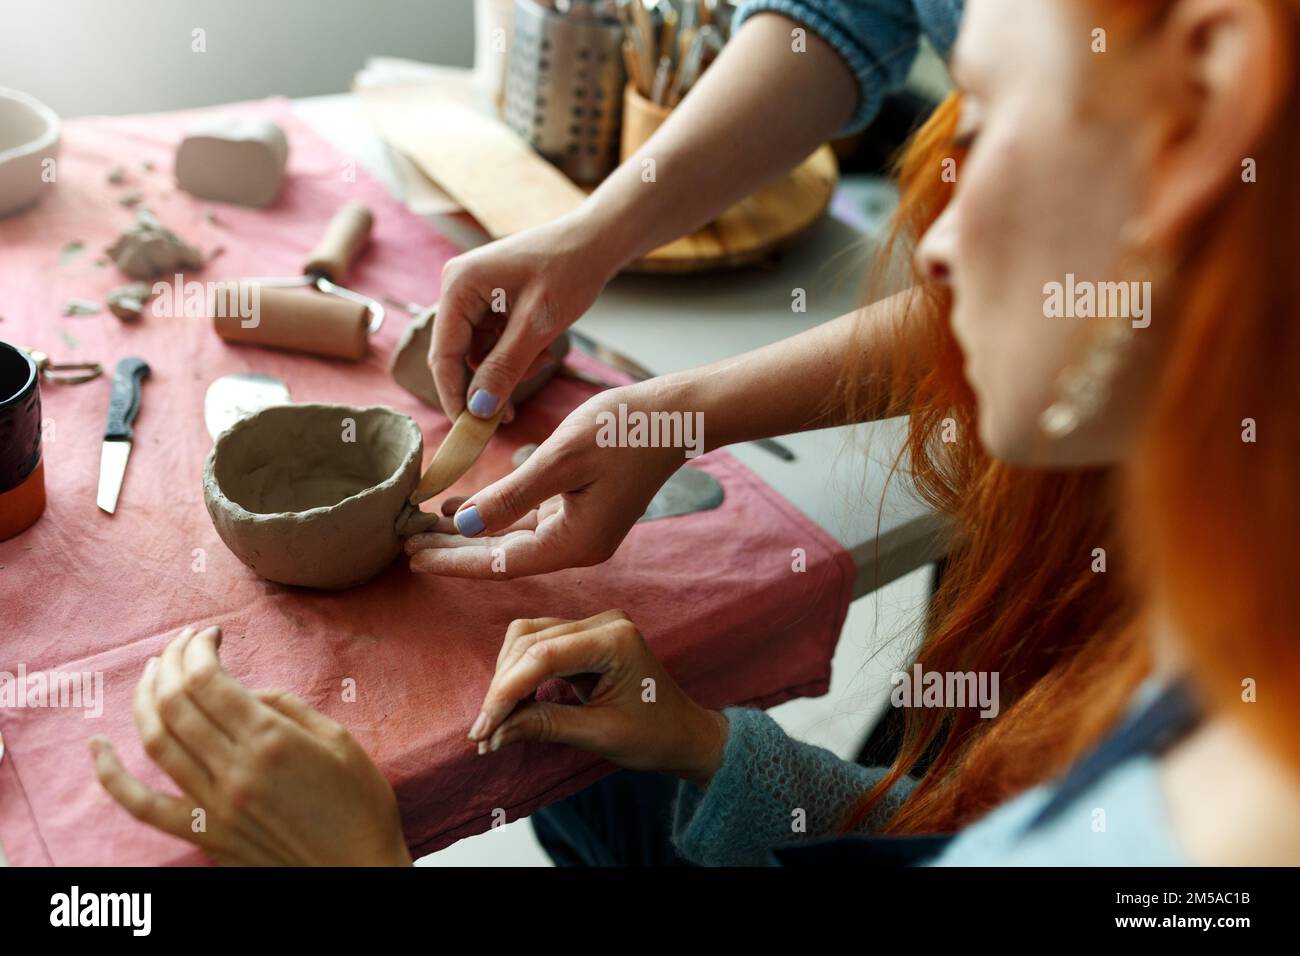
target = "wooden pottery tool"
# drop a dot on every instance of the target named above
(460, 449)
(279, 312)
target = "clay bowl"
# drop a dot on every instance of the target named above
(300, 505)
(29, 135)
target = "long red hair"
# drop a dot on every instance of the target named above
(1199, 520)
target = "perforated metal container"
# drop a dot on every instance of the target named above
(564, 88)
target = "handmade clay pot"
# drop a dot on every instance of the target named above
(29, 141)
(312, 494)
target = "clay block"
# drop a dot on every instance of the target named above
(233, 159)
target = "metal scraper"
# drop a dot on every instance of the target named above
(235, 397)
(688, 490)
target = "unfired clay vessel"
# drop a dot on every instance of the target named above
(29, 139)
(300, 505)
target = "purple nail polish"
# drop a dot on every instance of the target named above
(468, 521)
(483, 403)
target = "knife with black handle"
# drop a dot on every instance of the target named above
(123, 406)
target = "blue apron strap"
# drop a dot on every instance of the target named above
(861, 850)
(1169, 717)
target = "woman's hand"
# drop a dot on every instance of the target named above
(569, 505)
(633, 712)
(504, 303)
(265, 779)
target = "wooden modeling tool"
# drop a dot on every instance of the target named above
(460, 449)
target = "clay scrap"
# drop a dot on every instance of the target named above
(148, 249)
(70, 251)
(80, 307)
(233, 159)
(127, 301)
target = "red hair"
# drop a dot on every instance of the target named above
(1193, 511)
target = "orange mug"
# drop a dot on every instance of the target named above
(22, 475)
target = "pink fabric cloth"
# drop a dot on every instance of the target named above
(83, 591)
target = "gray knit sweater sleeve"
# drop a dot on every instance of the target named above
(771, 790)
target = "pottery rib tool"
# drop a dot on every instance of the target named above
(233, 398)
(338, 323)
(460, 449)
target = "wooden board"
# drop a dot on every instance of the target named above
(755, 228)
(478, 160)
(507, 187)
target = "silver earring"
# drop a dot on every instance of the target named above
(1083, 388)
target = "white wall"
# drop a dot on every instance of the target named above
(131, 56)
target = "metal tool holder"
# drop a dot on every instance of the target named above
(564, 87)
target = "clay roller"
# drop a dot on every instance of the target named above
(313, 312)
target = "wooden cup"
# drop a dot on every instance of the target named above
(641, 118)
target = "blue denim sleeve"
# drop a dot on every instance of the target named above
(771, 790)
(878, 39)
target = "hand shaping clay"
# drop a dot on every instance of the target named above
(148, 249)
(299, 503)
(233, 159)
(410, 363)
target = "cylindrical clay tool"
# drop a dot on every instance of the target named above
(311, 313)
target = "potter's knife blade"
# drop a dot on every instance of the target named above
(123, 406)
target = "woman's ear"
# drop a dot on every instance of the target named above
(1224, 67)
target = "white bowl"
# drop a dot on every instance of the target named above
(29, 135)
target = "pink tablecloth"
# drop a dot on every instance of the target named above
(85, 592)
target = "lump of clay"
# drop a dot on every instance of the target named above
(311, 494)
(148, 249)
(127, 301)
(409, 365)
(233, 159)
